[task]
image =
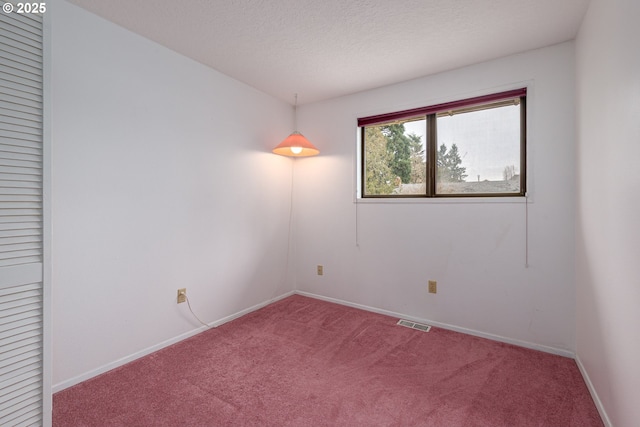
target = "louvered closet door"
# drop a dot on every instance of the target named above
(21, 284)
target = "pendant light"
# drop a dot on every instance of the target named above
(296, 145)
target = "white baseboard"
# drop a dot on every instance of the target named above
(594, 394)
(519, 343)
(117, 363)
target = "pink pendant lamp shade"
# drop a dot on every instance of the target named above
(296, 145)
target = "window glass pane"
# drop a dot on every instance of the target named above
(394, 158)
(479, 151)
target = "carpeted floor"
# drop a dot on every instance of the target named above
(305, 362)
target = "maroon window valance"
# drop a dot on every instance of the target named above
(423, 111)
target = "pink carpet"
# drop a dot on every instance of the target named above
(304, 362)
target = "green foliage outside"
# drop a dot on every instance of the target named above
(378, 176)
(399, 146)
(393, 158)
(449, 165)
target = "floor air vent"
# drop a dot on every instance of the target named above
(414, 325)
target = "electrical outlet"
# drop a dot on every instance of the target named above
(433, 287)
(320, 270)
(182, 295)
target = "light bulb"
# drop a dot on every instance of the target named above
(296, 150)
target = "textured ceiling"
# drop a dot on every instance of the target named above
(322, 49)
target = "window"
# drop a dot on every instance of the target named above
(466, 148)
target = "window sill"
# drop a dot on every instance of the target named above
(444, 200)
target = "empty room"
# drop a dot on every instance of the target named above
(319, 213)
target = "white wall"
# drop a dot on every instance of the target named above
(162, 179)
(608, 205)
(474, 249)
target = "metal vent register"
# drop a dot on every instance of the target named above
(414, 325)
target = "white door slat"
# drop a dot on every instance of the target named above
(20, 177)
(33, 294)
(12, 293)
(18, 416)
(20, 37)
(15, 317)
(6, 256)
(21, 240)
(28, 221)
(31, 354)
(19, 56)
(23, 179)
(23, 204)
(14, 384)
(15, 149)
(11, 108)
(19, 211)
(18, 173)
(28, 94)
(27, 329)
(19, 279)
(17, 310)
(30, 79)
(22, 119)
(21, 71)
(33, 369)
(22, 143)
(30, 392)
(20, 225)
(11, 186)
(7, 87)
(14, 103)
(15, 155)
(29, 366)
(15, 128)
(24, 191)
(22, 164)
(31, 22)
(26, 119)
(20, 346)
(21, 136)
(20, 261)
(20, 194)
(24, 246)
(20, 233)
(9, 292)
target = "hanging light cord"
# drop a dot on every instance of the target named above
(526, 230)
(357, 231)
(293, 164)
(357, 202)
(295, 113)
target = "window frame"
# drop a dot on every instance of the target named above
(430, 114)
